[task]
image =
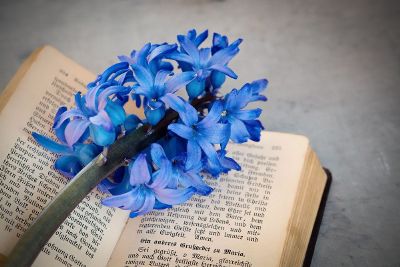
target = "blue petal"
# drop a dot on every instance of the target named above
(102, 119)
(68, 166)
(91, 96)
(173, 145)
(157, 154)
(126, 78)
(148, 205)
(219, 42)
(94, 83)
(120, 100)
(80, 104)
(195, 88)
(137, 99)
(258, 85)
(112, 69)
(224, 69)
(217, 134)
(73, 113)
(139, 172)
(187, 112)
(200, 38)
(174, 181)
(196, 166)
(131, 122)
(159, 81)
(239, 133)
(160, 50)
(144, 77)
(105, 185)
(178, 81)
(60, 130)
(189, 117)
(228, 163)
(162, 177)
(133, 53)
(190, 48)
(209, 151)
(258, 98)
(116, 113)
(180, 57)
(125, 201)
(50, 144)
(117, 76)
(254, 128)
(245, 94)
(174, 196)
(205, 55)
(87, 152)
(122, 186)
(197, 182)
(154, 115)
(160, 206)
(191, 34)
(103, 96)
(127, 59)
(213, 116)
(60, 111)
(141, 56)
(165, 66)
(181, 130)
(217, 79)
(101, 136)
(251, 114)
(74, 130)
(193, 154)
(236, 100)
(223, 56)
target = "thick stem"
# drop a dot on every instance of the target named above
(48, 221)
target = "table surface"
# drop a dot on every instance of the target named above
(334, 72)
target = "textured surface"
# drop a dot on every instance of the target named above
(334, 68)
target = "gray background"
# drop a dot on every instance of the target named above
(334, 71)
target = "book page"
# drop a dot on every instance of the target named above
(243, 222)
(28, 180)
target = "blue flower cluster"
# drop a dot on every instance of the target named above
(170, 171)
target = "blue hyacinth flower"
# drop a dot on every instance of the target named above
(154, 87)
(189, 176)
(96, 112)
(72, 159)
(196, 39)
(200, 135)
(151, 56)
(146, 192)
(219, 42)
(256, 88)
(181, 175)
(202, 63)
(243, 123)
(226, 163)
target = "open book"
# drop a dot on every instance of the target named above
(260, 216)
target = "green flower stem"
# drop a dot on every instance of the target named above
(41, 230)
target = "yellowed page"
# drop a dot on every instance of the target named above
(242, 223)
(27, 178)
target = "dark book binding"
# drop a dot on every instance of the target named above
(318, 220)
